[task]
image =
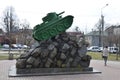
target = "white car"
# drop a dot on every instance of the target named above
(6, 46)
(94, 48)
(113, 49)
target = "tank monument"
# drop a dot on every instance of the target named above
(58, 51)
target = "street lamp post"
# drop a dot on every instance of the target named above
(102, 23)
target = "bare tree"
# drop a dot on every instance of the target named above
(99, 28)
(10, 22)
(114, 37)
(25, 36)
(77, 29)
(102, 34)
(116, 41)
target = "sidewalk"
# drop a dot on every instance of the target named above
(109, 72)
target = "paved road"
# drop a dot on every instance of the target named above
(109, 72)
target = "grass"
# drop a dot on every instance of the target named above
(3, 57)
(95, 55)
(98, 56)
(6, 56)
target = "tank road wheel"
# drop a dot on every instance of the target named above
(35, 37)
(45, 35)
(60, 27)
(53, 32)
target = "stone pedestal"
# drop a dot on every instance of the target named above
(13, 72)
(63, 54)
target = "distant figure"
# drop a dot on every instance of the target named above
(105, 54)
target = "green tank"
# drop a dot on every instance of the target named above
(53, 24)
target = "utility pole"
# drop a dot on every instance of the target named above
(102, 25)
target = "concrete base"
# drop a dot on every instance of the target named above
(13, 72)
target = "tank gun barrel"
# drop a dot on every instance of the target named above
(61, 13)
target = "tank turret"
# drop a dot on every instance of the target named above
(52, 16)
(53, 24)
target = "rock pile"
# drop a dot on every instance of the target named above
(61, 51)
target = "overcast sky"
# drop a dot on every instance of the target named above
(86, 12)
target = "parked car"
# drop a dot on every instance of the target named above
(14, 46)
(94, 48)
(113, 49)
(5, 46)
(19, 46)
(101, 49)
(25, 46)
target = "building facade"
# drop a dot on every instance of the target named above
(96, 39)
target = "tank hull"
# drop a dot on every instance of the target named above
(49, 30)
